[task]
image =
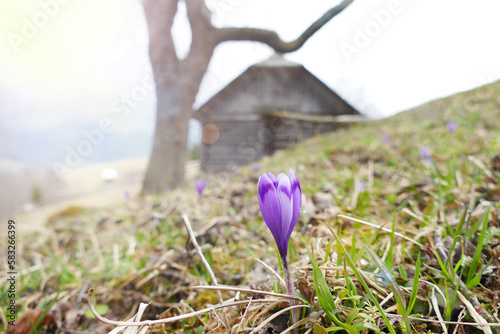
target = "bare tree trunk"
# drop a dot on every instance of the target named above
(166, 165)
(177, 82)
(174, 110)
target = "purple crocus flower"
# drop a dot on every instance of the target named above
(200, 186)
(361, 186)
(126, 193)
(425, 153)
(256, 167)
(385, 139)
(224, 176)
(280, 200)
(452, 126)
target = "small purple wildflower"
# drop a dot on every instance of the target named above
(224, 176)
(256, 167)
(200, 186)
(452, 126)
(361, 186)
(425, 152)
(126, 193)
(385, 139)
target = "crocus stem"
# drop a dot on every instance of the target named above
(289, 287)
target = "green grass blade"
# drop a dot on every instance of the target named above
(361, 326)
(334, 329)
(46, 308)
(327, 252)
(477, 278)
(352, 288)
(322, 291)
(444, 269)
(414, 289)
(351, 316)
(402, 272)
(361, 280)
(390, 258)
(396, 290)
(456, 237)
(459, 263)
(479, 248)
(460, 224)
(325, 298)
(449, 305)
(473, 229)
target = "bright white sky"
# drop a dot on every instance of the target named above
(88, 53)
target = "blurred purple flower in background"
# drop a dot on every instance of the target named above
(452, 126)
(425, 152)
(224, 176)
(200, 186)
(385, 139)
(361, 186)
(126, 193)
(256, 167)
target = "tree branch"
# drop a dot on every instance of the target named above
(272, 39)
(201, 49)
(198, 15)
(160, 17)
(203, 40)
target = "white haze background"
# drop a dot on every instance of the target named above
(91, 53)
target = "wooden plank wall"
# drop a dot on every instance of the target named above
(241, 142)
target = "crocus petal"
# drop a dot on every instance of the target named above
(297, 201)
(275, 182)
(286, 201)
(425, 152)
(270, 206)
(200, 186)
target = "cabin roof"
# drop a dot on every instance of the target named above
(275, 66)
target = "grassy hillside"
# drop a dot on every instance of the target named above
(414, 174)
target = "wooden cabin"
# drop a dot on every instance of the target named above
(272, 105)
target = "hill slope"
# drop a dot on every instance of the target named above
(414, 173)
